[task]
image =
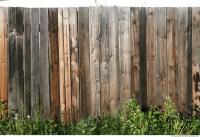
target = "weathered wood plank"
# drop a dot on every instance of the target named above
(3, 54)
(12, 53)
(135, 51)
(54, 62)
(124, 54)
(151, 32)
(182, 16)
(44, 64)
(171, 54)
(67, 65)
(27, 61)
(84, 59)
(161, 57)
(94, 60)
(35, 74)
(104, 59)
(73, 25)
(114, 59)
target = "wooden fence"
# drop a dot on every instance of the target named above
(75, 62)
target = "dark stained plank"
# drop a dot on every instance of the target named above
(54, 62)
(114, 59)
(104, 60)
(94, 60)
(12, 54)
(27, 61)
(35, 75)
(74, 63)
(135, 51)
(44, 64)
(84, 59)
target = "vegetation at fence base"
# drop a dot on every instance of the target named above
(131, 120)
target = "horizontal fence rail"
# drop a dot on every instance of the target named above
(70, 63)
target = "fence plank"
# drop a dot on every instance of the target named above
(27, 61)
(84, 59)
(104, 59)
(171, 53)
(12, 51)
(124, 54)
(135, 51)
(3, 54)
(94, 60)
(67, 65)
(151, 32)
(54, 63)
(182, 15)
(74, 63)
(114, 60)
(44, 63)
(35, 78)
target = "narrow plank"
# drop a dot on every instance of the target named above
(161, 58)
(3, 54)
(151, 32)
(73, 25)
(104, 59)
(67, 70)
(114, 59)
(35, 75)
(182, 16)
(124, 54)
(94, 60)
(27, 61)
(12, 53)
(61, 65)
(84, 58)
(44, 64)
(54, 63)
(195, 58)
(135, 51)
(171, 54)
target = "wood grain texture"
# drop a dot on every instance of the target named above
(27, 61)
(124, 54)
(54, 62)
(44, 64)
(84, 59)
(104, 60)
(3, 54)
(114, 59)
(94, 60)
(35, 72)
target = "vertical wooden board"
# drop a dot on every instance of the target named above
(12, 54)
(3, 54)
(67, 70)
(135, 51)
(35, 75)
(73, 25)
(124, 54)
(161, 57)
(151, 31)
(61, 64)
(94, 60)
(27, 61)
(104, 59)
(20, 70)
(195, 58)
(54, 63)
(182, 15)
(44, 63)
(84, 59)
(171, 54)
(114, 59)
